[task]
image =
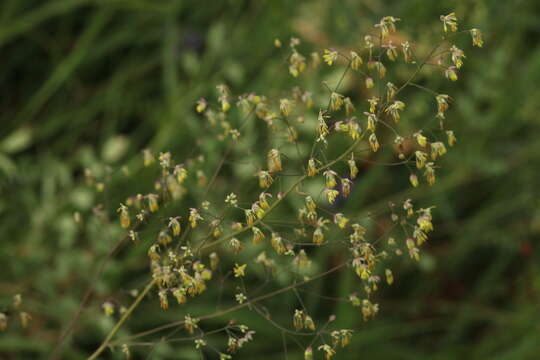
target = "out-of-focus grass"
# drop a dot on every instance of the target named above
(87, 83)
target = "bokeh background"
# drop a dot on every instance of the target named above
(88, 82)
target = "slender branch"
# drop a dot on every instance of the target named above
(277, 202)
(123, 319)
(231, 309)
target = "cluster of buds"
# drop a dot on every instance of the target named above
(178, 273)
(297, 62)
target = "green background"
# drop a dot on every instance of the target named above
(91, 82)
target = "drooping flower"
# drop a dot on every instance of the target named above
(356, 61)
(274, 161)
(477, 38)
(330, 56)
(449, 21)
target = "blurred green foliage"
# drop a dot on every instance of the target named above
(89, 83)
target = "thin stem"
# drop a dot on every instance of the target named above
(119, 324)
(231, 309)
(277, 202)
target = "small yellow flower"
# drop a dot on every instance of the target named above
(331, 195)
(419, 235)
(148, 157)
(356, 61)
(312, 169)
(391, 90)
(340, 220)
(430, 173)
(394, 109)
(108, 308)
(174, 224)
(277, 43)
(308, 323)
(258, 235)
(457, 56)
(153, 252)
(477, 38)
(250, 217)
(298, 319)
(407, 54)
(308, 353)
(389, 276)
(297, 63)
(302, 260)
(437, 149)
(373, 142)
(451, 137)
(379, 66)
(100, 187)
(239, 270)
(330, 56)
(451, 73)
(310, 204)
(25, 318)
(424, 220)
(240, 298)
(236, 245)
(371, 121)
(125, 220)
(232, 200)
(257, 210)
(354, 129)
(421, 158)
(318, 236)
(164, 238)
(373, 102)
(391, 51)
(345, 187)
(414, 180)
(353, 169)
(369, 310)
(201, 105)
(330, 177)
(277, 243)
(442, 104)
(163, 300)
(190, 324)
(449, 21)
(274, 161)
(368, 39)
(153, 205)
(322, 128)
(387, 25)
(336, 101)
(349, 107)
(285, 106)
(420, 139)
(369, 83)
(265, 179)
(194, 216)
(328, 351)
(263, 202)
(225, 105)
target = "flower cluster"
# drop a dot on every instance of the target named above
(200, 240)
